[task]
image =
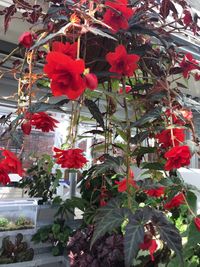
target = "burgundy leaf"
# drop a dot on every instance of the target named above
(22, 4)
(10, 11)
(165, 8)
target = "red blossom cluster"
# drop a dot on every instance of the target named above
(176, 201)
(40, 120)
(71, 158)
(150, 245)
(9, 164)
(122, 63)
(179, 154)
(117, 15)
(66, 72)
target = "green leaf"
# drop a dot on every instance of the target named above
(153, 165)
(192, 201)
(45, 40)
(108, 218)
(122, 134)
(193, 236)
(134, 234)
(40, 106)
(97, 31)
(139, 137)
(168, 233)
(94, 110)
(149, 117)
(110, 163)
(140, 151)
(55, 228)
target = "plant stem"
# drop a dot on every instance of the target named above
(128, 134)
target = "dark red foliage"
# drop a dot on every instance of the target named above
(106, 252)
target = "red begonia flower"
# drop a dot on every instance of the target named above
(121, 62)
(177, 157)
(177, 115)
(11, 163)
(26, 39)
(43, 121)
(165, 137)
(187, 19)
(150, 245)
(71, 158)
(26, 127)
(67, 48)
(155, 192)
(91, 81)
(188, 64)
(176, 201)
(122, 185)
(65, 74)
(127, 89)
(197, 223)
(117, 15)
(4, 178)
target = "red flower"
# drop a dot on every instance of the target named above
(177, 114)
(156, 192)
(26, 127)
(4, 178)
(127, 89)
(121, 62)
(165, 137)
(188, 64)
(26, 39)
(11, 163)
(43, 121)
(65, 74)
(117, 14)
(149, 244)
(91, 81)
(175, 202)
(197, 223)
(122, 185)
(71, 158)
(67, 48)
(187, 19)
(178, 156)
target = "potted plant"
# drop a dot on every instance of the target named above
(128, 77)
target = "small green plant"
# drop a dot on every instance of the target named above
(3, 222)
(41, 181)
(22, 221)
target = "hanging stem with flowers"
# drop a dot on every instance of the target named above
(121, 55)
